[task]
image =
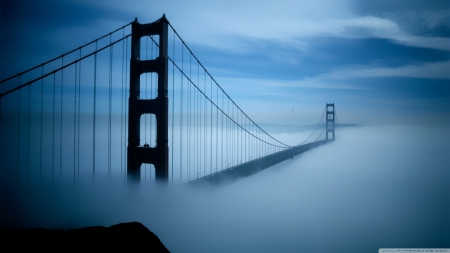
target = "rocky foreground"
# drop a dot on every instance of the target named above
(131, 236)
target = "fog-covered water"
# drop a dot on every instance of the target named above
(374, 187)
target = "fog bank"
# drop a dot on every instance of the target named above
(374, 187)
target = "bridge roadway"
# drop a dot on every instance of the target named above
(255, 166)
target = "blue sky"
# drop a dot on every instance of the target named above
(381, 62)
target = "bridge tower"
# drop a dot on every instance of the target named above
(159, 106)
(330, 122)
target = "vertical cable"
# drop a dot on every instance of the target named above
(28, 139)
(173, 103)
(189, 133)
(240, 137)
(53, 128)
(245, 139)
(197, 125)
(231, 136)
(205, 128)
(236, 125)
(198, 115)
(79, 120)
(121, 104)
(95, 98)
(195, 128)
(75, 120)
(61, 119)
(241, 152)
(199, 129)
(211, 121)
(126, 104)
(221, 132)
(110, 105)
(1, 132)
(181, 115)
(233, 140)
(208, 155)
(217, 127)
(18, 135)
(236, 136)
(205, 131)
(228, 135)
(42, 113)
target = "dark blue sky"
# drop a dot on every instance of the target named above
(381, 62)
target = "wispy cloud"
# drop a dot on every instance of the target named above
(228, 24)
(336, 80)
(438, 70)
(267, 86)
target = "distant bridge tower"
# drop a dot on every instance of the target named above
(330, 122)
(158, 155)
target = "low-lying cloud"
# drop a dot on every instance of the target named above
(374, 187)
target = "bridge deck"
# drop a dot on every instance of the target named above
(255, 166)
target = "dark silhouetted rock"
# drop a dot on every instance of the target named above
(130, 237)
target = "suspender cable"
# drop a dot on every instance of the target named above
(28, 136)
(204, 124)
(79, 120)
(217, 131)
(127, 91)
(196, 128)
(53, 128)
(211, 119)
(221, 132)
(121, 105)
(61, 119)
(173, 105)
(18, 136)
(181, 117)
(95, 98)
(74, 119)
(42, 113)
(228, 135)
(110, 106)
(189, 133)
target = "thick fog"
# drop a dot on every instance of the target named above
(374, 187)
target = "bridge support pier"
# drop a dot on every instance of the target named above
(330, 122)
(159, 106)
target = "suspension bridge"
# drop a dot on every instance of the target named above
(133, 103)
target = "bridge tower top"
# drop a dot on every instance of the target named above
(137, 154)
(330, 122)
